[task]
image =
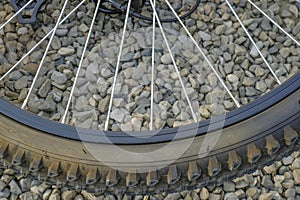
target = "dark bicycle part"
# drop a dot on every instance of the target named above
(33, 9)
(195, 6)
(120, 7)
(108, 10)
(138, 4)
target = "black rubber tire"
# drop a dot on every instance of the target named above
(251, 137)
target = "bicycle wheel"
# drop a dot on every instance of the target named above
(159, 107)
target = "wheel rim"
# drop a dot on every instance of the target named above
(148, 137)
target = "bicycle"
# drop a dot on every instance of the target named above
(165, 154)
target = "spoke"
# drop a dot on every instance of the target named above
(203, 54)
(152, 71)
(117, 67)
(44, 56)
(276, 24)
(174, 62)
(253, 42)
(40, 42)
(18, 12)
(81, 61)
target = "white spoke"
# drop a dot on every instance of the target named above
(40, 42)
(174, 62)
(117, 67)
(152, 71)
(253, 42)
(81, 61)
(276, 24)
(44, 56)
(203, 54)
(19, 11)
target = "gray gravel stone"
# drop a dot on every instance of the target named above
(35, 190)
(285, 52)
(204, 36)
(43, 187)
(287, 160)
(293, 9)
(59, 78)
(136, 124)
(28, 195)
(229, 186)
(138, 72)
(250, 91)
(288, 183)
(254, 53)
(79, 197)
(247, 81)
(66, 51)
(195, 195)
(204, 194)
(239, 184)
(212, 79)
(21, 83)
(232, 78)
(83, 28)
(188, 197)
(14, 187)
(45, 88)
(4, 193)
(68, 195)
(172, 196)
(296, 175)
(290, 193)
(15, 75)
(267, 182)
(216, 109)
(214, 196)
(84, 115)
(22, 31)
(87, 195)
(252, 192)
(166, 59)
(230, 196)
(47, 194)
(55, 196)
(205, 89)
(103, 104)
(261, 86)
(25, 184)
(61, 32)
(117, 115)
(127, 57)
(31, 68)
(106, 73)
(2, 185)
(296, 163)
(56, 43)
(273, 50)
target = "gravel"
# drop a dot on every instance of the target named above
(232, 54)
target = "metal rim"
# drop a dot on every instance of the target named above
(165, 135)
